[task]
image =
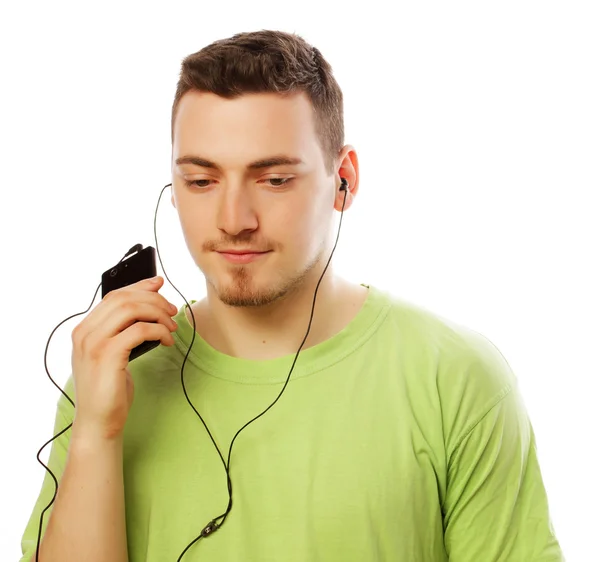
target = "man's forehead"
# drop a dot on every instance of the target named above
(243, 136)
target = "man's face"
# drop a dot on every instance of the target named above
(233, 207)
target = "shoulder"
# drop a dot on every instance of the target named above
(467, 372)
(442, 338)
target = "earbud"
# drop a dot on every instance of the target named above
(344, 185)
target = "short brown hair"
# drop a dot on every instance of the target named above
(269, 61)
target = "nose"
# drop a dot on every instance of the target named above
(236, 211)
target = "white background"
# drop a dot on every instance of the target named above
(477, 128)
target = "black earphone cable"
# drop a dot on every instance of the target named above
(212, 525)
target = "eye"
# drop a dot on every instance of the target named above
(195, 183)
(284, 181)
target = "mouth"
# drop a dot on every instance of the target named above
(241, 258)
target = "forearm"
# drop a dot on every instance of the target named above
(88, 515)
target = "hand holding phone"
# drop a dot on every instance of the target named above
(125, 319)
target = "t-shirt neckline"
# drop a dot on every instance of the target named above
(272, 371)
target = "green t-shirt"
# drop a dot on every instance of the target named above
(402, 438)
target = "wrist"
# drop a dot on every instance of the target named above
(88, 435)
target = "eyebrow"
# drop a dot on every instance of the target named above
(280, 160)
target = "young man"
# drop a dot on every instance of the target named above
(399, 435)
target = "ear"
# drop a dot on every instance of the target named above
(348, 169)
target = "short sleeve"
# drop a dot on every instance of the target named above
(56, 462)
(496, 507)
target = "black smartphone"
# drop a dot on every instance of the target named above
(140, 265)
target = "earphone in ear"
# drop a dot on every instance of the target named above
(344, 186)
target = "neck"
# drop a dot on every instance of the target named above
(277, 329)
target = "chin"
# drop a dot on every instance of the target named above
(248, 289)
(241, 289)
